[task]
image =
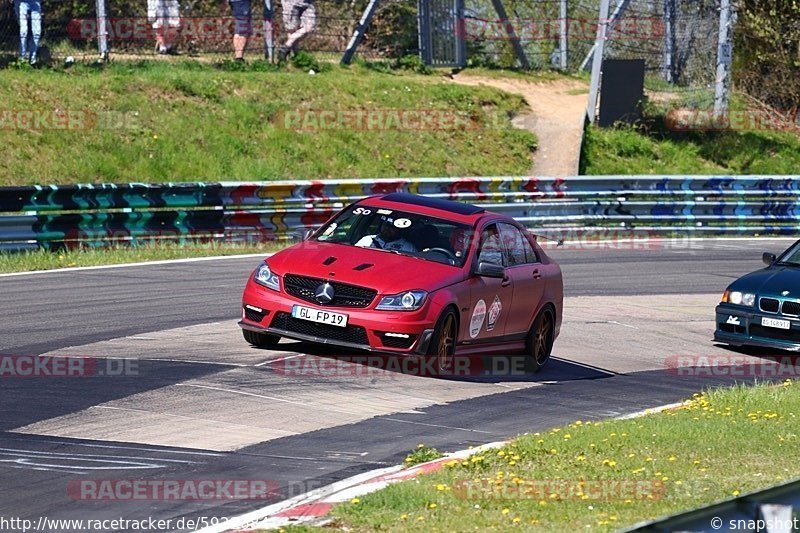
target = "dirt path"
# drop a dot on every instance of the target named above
(556, 117)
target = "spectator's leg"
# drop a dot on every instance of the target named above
(36, 28)
(243, 15)
(21, 10)
(307, 22)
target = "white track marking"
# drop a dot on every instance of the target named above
(131, 265)
(270, 361)
(436, 425)
(272, 398)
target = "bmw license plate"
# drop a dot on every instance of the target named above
(319, 316)
(775, 323)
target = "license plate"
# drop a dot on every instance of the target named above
(319, 316)
(775, 323)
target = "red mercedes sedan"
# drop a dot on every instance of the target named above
(408, 275)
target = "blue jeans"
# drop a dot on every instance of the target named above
(24, 8)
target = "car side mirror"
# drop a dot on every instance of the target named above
(308, 233)
(768, 258)
(490, 270)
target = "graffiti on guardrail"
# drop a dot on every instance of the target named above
(97, 215)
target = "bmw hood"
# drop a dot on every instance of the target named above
(386, 272)
(771, 281)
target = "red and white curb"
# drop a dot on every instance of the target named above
(314, 506)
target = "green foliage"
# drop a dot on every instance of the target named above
(305, 61)
(414, 64)
(422, 454)
(767, 51)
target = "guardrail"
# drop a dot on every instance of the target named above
(52, 217)
(774, 510)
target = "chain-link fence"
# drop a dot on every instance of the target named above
(677, 39)
(206, 29)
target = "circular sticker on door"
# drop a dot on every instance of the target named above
(476, 322)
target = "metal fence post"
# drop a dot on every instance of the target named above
(724, 57)
(564, 25)
(359, 32)
(597, 60)
(102, 29)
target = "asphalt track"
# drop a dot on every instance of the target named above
(201, 405)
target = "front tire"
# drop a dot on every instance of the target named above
(443, 343)
(540, 341)
(260, 340)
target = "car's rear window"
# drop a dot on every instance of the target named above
(422, 236)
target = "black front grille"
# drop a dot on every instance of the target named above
(350, 334)
(398, 342)
(769, 305)
(252, 315)
(791, 308)
(791, 335)
(344, 295)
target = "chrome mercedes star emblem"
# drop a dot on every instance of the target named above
(324, 293)
(785, 293)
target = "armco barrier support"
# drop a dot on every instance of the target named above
(98, 215)
(774, 510)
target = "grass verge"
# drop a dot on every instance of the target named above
(46, 260)
(601, 476)
(187, 121)
(650, 147)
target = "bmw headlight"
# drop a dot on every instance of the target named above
(266, 277)
(405, 301)
(747, 299)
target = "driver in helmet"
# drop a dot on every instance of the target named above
(389, 238)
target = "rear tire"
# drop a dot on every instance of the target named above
(539, 343)
(260, 340)
(443, 343)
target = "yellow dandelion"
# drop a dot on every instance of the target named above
(505, 511)
(354, 501)
(432, 506)
(441, 487)
(403, 516)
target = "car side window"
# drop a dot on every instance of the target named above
(518, 249)
(491, 250)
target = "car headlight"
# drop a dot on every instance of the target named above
(405, 301)
(264, 276)
(747, 299)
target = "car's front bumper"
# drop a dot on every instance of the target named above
(740, 327)
(268, 311)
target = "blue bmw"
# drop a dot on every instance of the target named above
(763, 308)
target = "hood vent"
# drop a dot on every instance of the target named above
(329, 261)
(363, 266)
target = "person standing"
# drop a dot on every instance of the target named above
(243, 26)
(29, 43)
(299, 19)
(165, 17)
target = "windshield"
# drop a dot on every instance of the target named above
(429, 238)
(791, 256)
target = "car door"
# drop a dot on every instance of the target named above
(527, 276)
(490, 298)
